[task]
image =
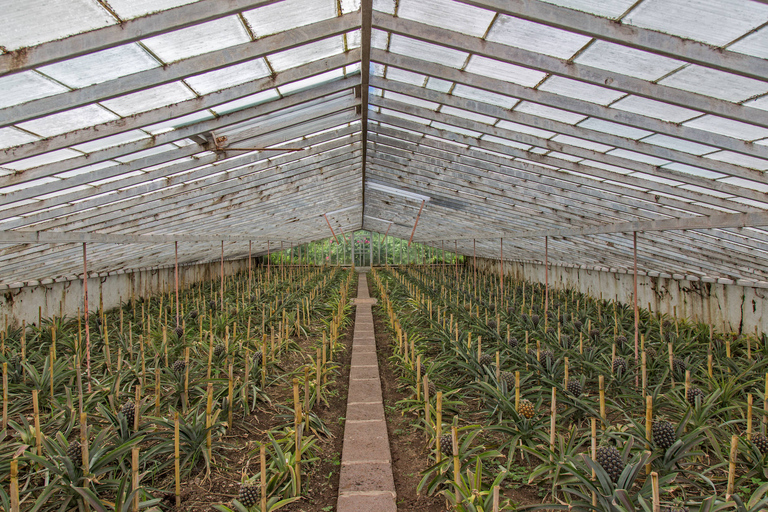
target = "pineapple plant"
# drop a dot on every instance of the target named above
(761, 442)
(179, 366)
(619, 366)
(621, 342)
(446, 444)
(219, 350)
(693, 394)
(193, 314)
(526, 409)
(574, 387)
(610, 460)
(432, 388)
(129, 411)
(512, 342)
(565, 341)
(179, 331)
(679, 366)
(577, 324)
(212, 305)
(486, 360)
(650, 354)
(663, 434)
(594, 334)
(257, 357)
(248, 495)
(535, 320)
(508, 378)
(492, 325)
(75, 453)
(546, 355)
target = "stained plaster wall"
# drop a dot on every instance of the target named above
(66, 297)
(730, 307)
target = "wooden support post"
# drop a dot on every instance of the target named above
(85, 313)
(634, 299)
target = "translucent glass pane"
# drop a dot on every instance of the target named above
(505, 142)
(437, 84)
(288, 14)
(695, 171)
(68, 120)
(729, 127)
(306, 53)
(679, 144)
(407, 77)
(464, 114)
(427, 51)
(177, 122)
(484, 96)
(415, 119)
(614, 128)
(549, 112)
(631, 155)
(715, 22)
(354, 39)
(536, 37)
(128, 9)
(10, 137)
(580, 90)
(456, 129)
(739, 159)
(149, 152)
(348, 6)
(310, 82)
(114, 140)
(45, 158)
(507, 125)
(573, 141)
(387, 6)
(503, 71)
(33, 22)
(755, 44)
(229, 76)
(656, 109)
(198, 39)
(717, 84)
(27, 86)
(411, 100)
(607, 8)
(447, 14)
(248, 101)
(149, 99)
(627, 61)
(379, 39)
(101, 66)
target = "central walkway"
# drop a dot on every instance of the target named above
(366, 482)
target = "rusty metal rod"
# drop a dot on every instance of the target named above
(417, 222)
(329, 227)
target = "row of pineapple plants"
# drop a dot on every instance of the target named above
(116, 413)
(500, 353)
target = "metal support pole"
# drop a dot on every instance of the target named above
(501, 263)
(221, 291)
(85, 312)
(176, 278)
(546, 276)
(637, 312)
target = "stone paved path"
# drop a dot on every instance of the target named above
(366, 482)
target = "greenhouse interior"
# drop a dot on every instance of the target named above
(384, 255)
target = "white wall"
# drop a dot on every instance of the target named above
(730, 307)
(65, 297)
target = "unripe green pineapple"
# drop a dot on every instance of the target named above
(619, 366)
(248, 495)
(179, 366)
(486, 360)
(650, 354)
(432, 389)
(512, 342)
(509, 379)
(663, 434)
(129, 411)
(526, 409)
(761, 442)
(621, 341)
(446, 444)
(546, 355)
(610, 459)
(679, 366)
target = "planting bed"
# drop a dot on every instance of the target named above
(91, 417)
(518, 370)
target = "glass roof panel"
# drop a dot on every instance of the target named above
(564, 156)
(68, 120)
(679, 144)
(503, 71)
(521, 128)
(177, 122)
(306, 53)
(752, 185)
(427, 51)
(468, 115)
(45, 158)
(656, 179)
(437, 84)
(739, 159)
(348, 6)
(101, 66)
(484, 96)
(148, 152)
(627, 61)
(456, 129)
(657, 109)
(717, 84)
(447, 14)
(707, 191)
(354, 39)
(229, 76)
(114, 140)
(11, 136)
(379, 39)
(536, 37)
(408, 117)
(411, 100)
(128, 9)
(573, 141)
(729, 127)
(33, 22)
(505, 142)
(621, 130)
(549, 112)
(288, 14)
(580, 90)
(754, 44)
(248, 101)
(310, 82)
(407, 77)
(607, 8)
(716, 22)
(387, 6)
(149, 99)
(198, 39)
(638, 157)
(27, 86)
(695, 171)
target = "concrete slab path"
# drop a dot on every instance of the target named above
(366, 482)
